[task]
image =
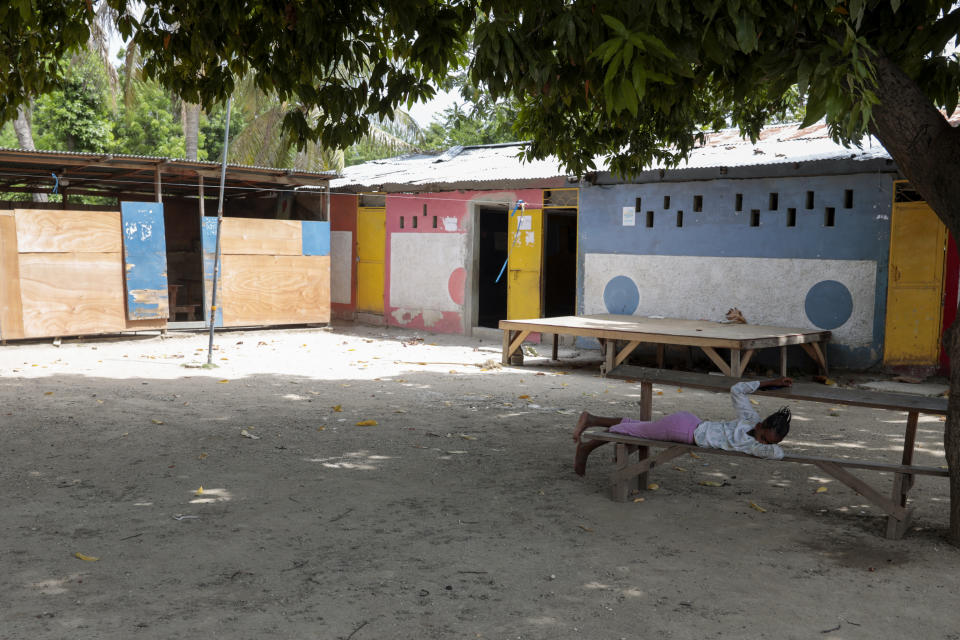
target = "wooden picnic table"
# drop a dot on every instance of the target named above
(743, 340)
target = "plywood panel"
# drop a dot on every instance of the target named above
(71, 293)
(261, 290)
(60, 231)
(11, 313)
(249, 236)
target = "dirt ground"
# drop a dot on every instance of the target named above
(457, 515)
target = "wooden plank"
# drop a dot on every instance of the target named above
(814, 351)
(274, 290)
(68, 294)
(505, 356)
(800, 391)
(145, 261)
(746, 360)
(11, 309)
(517, 340)
(646, 464)
(864, 489)
(788, 457)
(717, 360)
(625, 352)
(57, 231)
(253, 236)
(735, 369)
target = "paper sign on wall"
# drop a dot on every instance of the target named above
(525, 223)
(629, 216)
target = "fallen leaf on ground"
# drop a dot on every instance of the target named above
(679, 390)
(202, 456)
(693, 455)
(199, 491)
(157, 421)
(821, 489)
(247, 434)
(653, 486)
(755, 506)
(366, 423)
(586, 528)
(754, 402)
(467, 437)
(639, 499)
(224, 381)
(48, 393)
(711, 483)
(678, 468)
(321, 428)
(337, 408)
(85, 557)
(659, 393)
(524, 397)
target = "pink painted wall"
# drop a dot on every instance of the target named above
(427, 266)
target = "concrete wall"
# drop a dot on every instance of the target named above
(809, 275)
(430, 266)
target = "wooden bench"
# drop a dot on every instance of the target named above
(630, 475)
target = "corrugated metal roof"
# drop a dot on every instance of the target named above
(497, 165)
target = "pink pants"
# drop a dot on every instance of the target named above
(676, 427)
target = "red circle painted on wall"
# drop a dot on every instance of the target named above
(456, 284)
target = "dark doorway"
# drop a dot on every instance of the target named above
(184, 259)
(560, 263)
(492, 253)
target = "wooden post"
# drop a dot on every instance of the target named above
(156, 184)
(735, 363)
(505, 359)
(902, 482)
(646, 414)
(556, 347)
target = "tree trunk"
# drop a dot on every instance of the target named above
(24, 131)
(926, 147)
(191, 129)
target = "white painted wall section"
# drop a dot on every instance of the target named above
(770, 291)
(341, 266)
(420, 268)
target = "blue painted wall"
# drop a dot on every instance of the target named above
(807, 250)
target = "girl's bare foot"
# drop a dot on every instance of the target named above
(582, 423)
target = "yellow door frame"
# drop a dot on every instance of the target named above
(371, 253)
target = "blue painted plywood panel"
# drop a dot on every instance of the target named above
(209, 241)
(316, 238)
(145, 260)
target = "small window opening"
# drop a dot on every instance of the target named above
(401, 222)
(424, 209)
(774, 201)
(755, 217)
(809, 199)
(434, 222)
(649, 218)
(829, 217)
(414, 218)
(739, 202)
(666, 202)
(636, 205)
(848, 199)
(791, 217)
(698, 203)
(679, 218)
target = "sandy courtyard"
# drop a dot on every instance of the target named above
(457, 515)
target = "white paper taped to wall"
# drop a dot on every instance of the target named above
(525, 223)
(629, 216)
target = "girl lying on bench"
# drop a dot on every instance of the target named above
(747, 434)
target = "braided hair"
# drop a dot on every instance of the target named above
(779, 421)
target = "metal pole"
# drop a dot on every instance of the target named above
(216, 259)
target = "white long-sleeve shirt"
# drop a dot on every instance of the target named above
(732, 435)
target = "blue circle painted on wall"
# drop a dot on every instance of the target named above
(621, 296)
(829, 304)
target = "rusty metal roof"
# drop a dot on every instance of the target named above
(115, 175)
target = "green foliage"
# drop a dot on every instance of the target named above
(147, 126)
(75, 116)
(211, 131)
(484, 123)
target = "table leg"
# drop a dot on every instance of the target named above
(505, 358)
(717, 360)
(646, 401)
(735, 363)
(902, 482)
(556, 346)
(660, 352)
(622, 487)
(783, 361)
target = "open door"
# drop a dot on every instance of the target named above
(525, 265)
(915, 288)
